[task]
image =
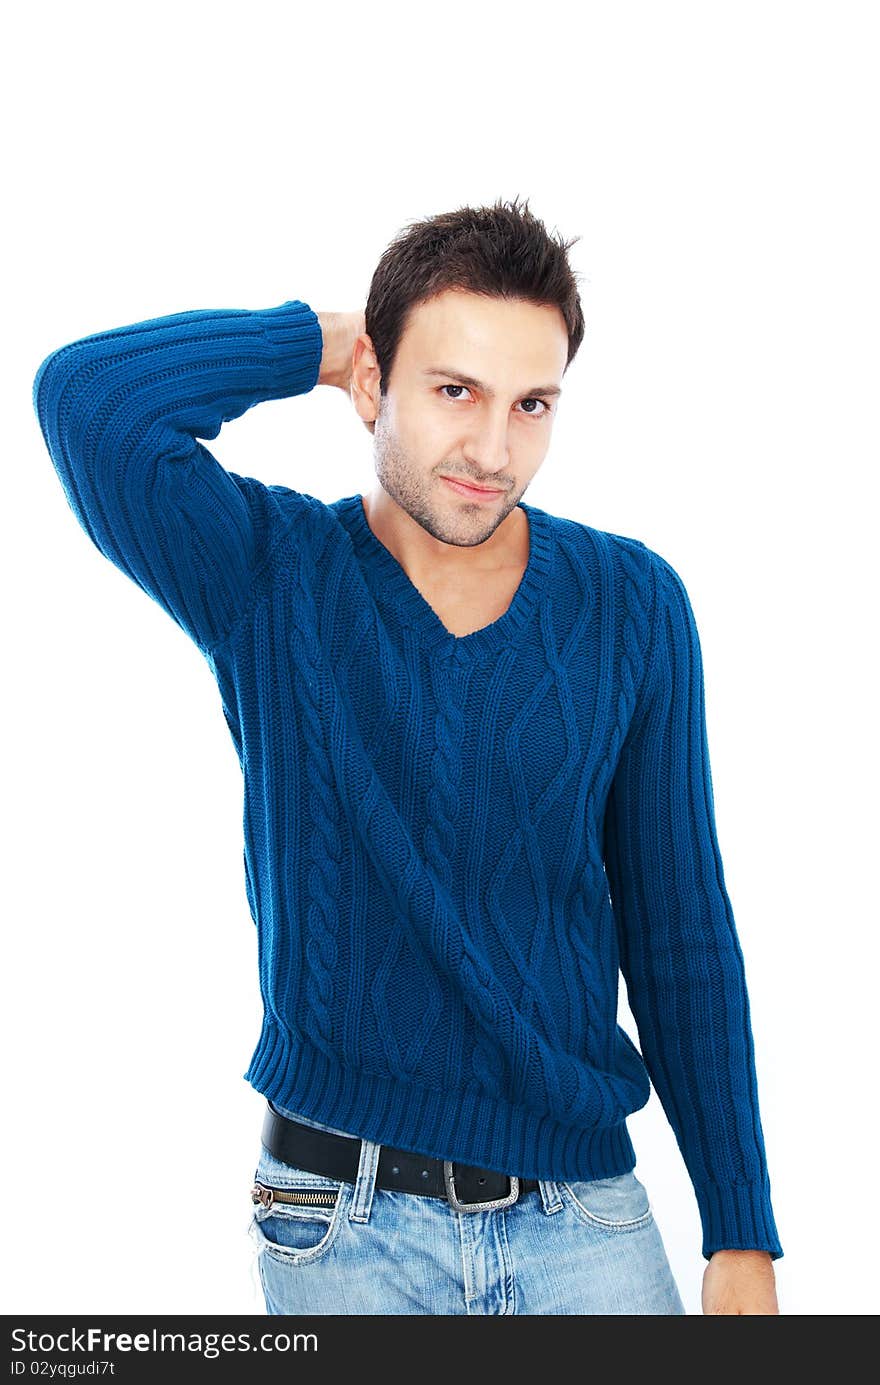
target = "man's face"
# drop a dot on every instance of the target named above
(471, 396)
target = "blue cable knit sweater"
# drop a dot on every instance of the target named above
(452, 845)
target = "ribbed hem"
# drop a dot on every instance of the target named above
(737, 1216)
(294, 333)
(470, 1127)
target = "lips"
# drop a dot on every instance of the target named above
(467, 487)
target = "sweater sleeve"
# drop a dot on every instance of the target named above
(122, 412)
(680, 955)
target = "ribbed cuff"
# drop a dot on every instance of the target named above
(737, 1216)
(294, 333)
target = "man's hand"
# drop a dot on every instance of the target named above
(740, 1282)
(340, 332)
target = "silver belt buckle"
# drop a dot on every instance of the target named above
(449, 1182)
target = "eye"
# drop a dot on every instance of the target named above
(530, 413)
(545, 407)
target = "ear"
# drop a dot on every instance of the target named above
(365, 377)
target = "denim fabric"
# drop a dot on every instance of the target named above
(570, 1247)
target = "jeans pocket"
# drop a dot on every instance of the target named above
(620, 1203)
(297, 1213)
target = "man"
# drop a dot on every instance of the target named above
(477, 787)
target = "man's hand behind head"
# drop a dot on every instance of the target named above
(340, 332)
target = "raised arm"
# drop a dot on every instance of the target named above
(680, 955)
(121, 413)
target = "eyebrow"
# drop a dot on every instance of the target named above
(468, 380)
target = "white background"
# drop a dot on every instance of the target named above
(719, 163)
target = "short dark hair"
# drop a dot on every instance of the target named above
(501, 250)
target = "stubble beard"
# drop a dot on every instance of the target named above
(412, 489)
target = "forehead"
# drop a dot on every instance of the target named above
(486, 336)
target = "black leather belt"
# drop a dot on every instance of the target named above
(466, 1188)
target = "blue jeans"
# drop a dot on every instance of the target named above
(576, 1247)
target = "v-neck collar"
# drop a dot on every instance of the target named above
(392, 578)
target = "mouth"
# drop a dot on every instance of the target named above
(472, 492)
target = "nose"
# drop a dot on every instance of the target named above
(486, 446)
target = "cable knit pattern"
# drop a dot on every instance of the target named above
(447, 677)
(453, 846)
(324, 858)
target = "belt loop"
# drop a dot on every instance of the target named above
(365, 1183)
(550, 1195)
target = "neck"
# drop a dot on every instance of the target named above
(425, 557)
